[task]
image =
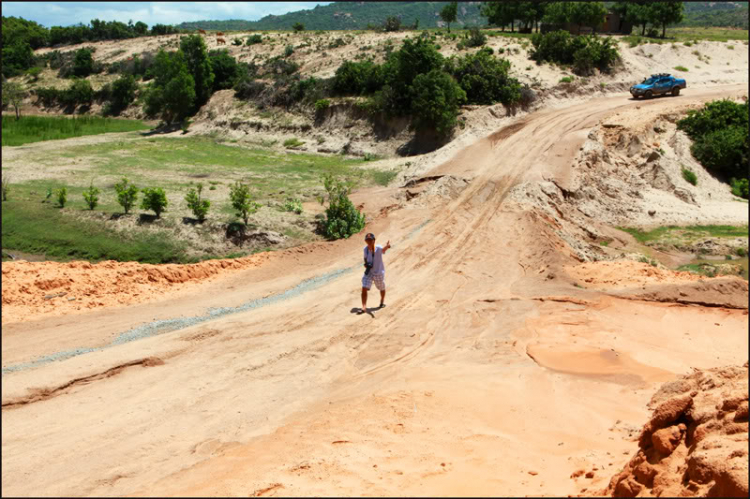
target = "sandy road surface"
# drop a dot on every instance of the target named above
(487, 373)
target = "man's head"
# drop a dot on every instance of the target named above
(370, 239)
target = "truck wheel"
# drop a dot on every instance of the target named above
(648, 94)
(676, 91)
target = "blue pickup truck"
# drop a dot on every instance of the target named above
(658, 84)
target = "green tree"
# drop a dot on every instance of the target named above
(13, 94)
(664, 13)
(500, 13)
(198, 206)
(486, 79)
(298, 27)
(225, 69)
(83, 62)
(199, 66)
(172, 94)
(590, 14)
(436, 99)
(639, 13)
(123, 93)
(91, 196)
(449, 14)
(141, 28)
(392, 23)
(17, 57)
(343, 219)
(154, 199)
(239, 195)
(127, 194)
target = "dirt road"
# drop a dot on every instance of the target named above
(487, 373)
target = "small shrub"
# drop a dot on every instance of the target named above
(740, 187)
(288, 51)
(392, 23)
(62, 196)
(688, 44)
(91, 196)
(741, 252)
(652, 33)
(357, 78)
(34, 73)
(83, 62)
(322, 104)
(298, 27)
(154, 199)
(689, 176)
(475, 38)
(239, 195)
(567, 79)
(253, 40)
(293, 205)
(730, 47)
(338, 42)
(185, 125)
(681, 68)
(236, 42)
(343, 219)
(293, 142)
(127, 194)
(436, 100)
(198, 206)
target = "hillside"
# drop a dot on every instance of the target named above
(358, 15)
(351, 15)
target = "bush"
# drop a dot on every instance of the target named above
(322, 104)
(16, 58)
(288, 51)
(342, 218)
(293, 205)
(34, 73)
(681, 68)
(486, 79)
(436, 100)
(154, 199)
(83, 62)
(689, 176)
(716, 115)
(475, 38)
(584, 52)
(172, 94)
(740, 187)
(198, 206)
(91, 196)
(123, 93)
(239, 195)
(338, 42)
(248, 88)
(298, 27)
(567, 79)
(62, 196)
(358, 78)
(79, 92)
(225, 69)
(237, 42)
(724, 151)
(741, 252)
(127, 194)
(254, 39)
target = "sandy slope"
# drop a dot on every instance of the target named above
(487, 373)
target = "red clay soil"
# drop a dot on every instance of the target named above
(695, 443)
(31, 289)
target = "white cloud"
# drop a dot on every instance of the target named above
(68, 13)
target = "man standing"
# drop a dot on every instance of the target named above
(374, 270)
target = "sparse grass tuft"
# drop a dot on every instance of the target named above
(681, 68)
(689, 176)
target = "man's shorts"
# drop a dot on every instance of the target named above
(378, 279)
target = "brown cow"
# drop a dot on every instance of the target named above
(202, 31)
(219, 34)
(221, 41)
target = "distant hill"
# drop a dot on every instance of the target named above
(358, 15)
(351, 15)
(717, 14)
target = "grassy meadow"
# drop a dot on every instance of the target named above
(40, 128)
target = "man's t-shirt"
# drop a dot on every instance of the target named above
(377, 260)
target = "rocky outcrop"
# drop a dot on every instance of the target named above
(695, 443)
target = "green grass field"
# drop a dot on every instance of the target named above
(40, 128)
(41, 228)
(174, 164)
(687, 234)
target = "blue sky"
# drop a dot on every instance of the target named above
(67, 13)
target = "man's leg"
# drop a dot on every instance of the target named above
(382, 297)
(364, 299)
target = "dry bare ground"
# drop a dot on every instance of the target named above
(491, 371)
